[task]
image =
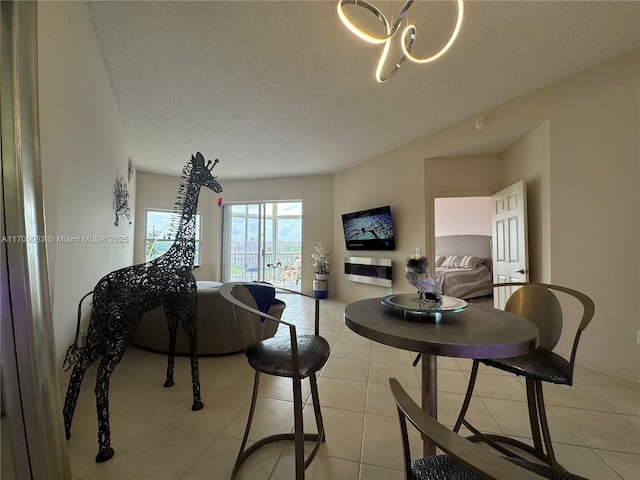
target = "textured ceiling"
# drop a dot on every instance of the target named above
(283, 89)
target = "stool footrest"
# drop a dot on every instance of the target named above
(278, 437)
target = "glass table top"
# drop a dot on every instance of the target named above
(410, 303)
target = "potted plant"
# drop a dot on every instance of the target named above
(321, 259)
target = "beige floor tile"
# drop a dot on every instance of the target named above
(465, 364)
(83, 444)
(281, 388)
(355, 352)
(218, 411)
(571, 396)
(600, 430)
(380, 400)
(217, 461)
(344, 394)
(626, 465)
(347, 369)
(513, 419)
(330, 336)
(406, 374)
(384, 354)
(446, 363)
(589, 376)
(478, 415)
(449, 407)
(619, 400)
(347, 336)
(452, 381)
(328, 324)
(165, 454)
(260, 465)
(343, 432)
(500, 386)
(382, 445)
(371, 472)
(321, 468)
(584, 462)
(632, 419)
(270, 417)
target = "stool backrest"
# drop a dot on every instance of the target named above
(244, 317)
(539, 305)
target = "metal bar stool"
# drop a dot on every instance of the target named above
(292, 356)
(537, 303)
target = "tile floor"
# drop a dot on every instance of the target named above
(595, 424)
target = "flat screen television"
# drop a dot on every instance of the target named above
(369, 229)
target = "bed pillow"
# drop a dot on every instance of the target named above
(439, 260)
(470, 261)
(461, 261)
(452, 261)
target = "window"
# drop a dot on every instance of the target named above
(262, 241)
(161, 226)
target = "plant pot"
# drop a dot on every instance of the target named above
(322, 276)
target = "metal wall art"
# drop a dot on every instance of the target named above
(122, 296)
(131, 169)
(121, 200)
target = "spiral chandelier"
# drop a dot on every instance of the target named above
(407, 37)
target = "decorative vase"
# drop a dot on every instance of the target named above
(322, 276)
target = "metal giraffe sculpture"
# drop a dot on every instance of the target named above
(122, 296)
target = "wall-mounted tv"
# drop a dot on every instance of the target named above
(369, 229)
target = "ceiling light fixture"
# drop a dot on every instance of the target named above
(408, 36)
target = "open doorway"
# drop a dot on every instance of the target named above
(463, 228)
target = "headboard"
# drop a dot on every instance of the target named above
(476, 245)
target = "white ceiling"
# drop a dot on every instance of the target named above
(283, 89)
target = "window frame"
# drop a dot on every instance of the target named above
(147, 239)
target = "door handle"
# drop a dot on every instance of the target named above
(522, 271)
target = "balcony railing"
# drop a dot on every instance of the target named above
(244, 267)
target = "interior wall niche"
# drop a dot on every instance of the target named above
(462, 216)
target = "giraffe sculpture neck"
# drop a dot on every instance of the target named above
(182, 253)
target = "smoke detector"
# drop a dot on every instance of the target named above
(481, 123)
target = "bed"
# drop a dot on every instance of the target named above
(463, 262)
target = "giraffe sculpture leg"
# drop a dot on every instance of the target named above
(184, 310)
(112, 356)
(172, 324)
(190, 325)
(75, 382)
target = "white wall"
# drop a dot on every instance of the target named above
(462, 216)
(83, 148)
(529, 159)
(374, 184)
(595, 229)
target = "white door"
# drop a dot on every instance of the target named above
(510, 253)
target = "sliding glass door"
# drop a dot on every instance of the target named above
(262, 241)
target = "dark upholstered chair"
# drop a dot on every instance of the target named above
(537, 303)
(463, 460)
(293, 356)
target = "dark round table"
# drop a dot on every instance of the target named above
(475, 332)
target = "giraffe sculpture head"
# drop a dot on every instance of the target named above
(201, 172)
